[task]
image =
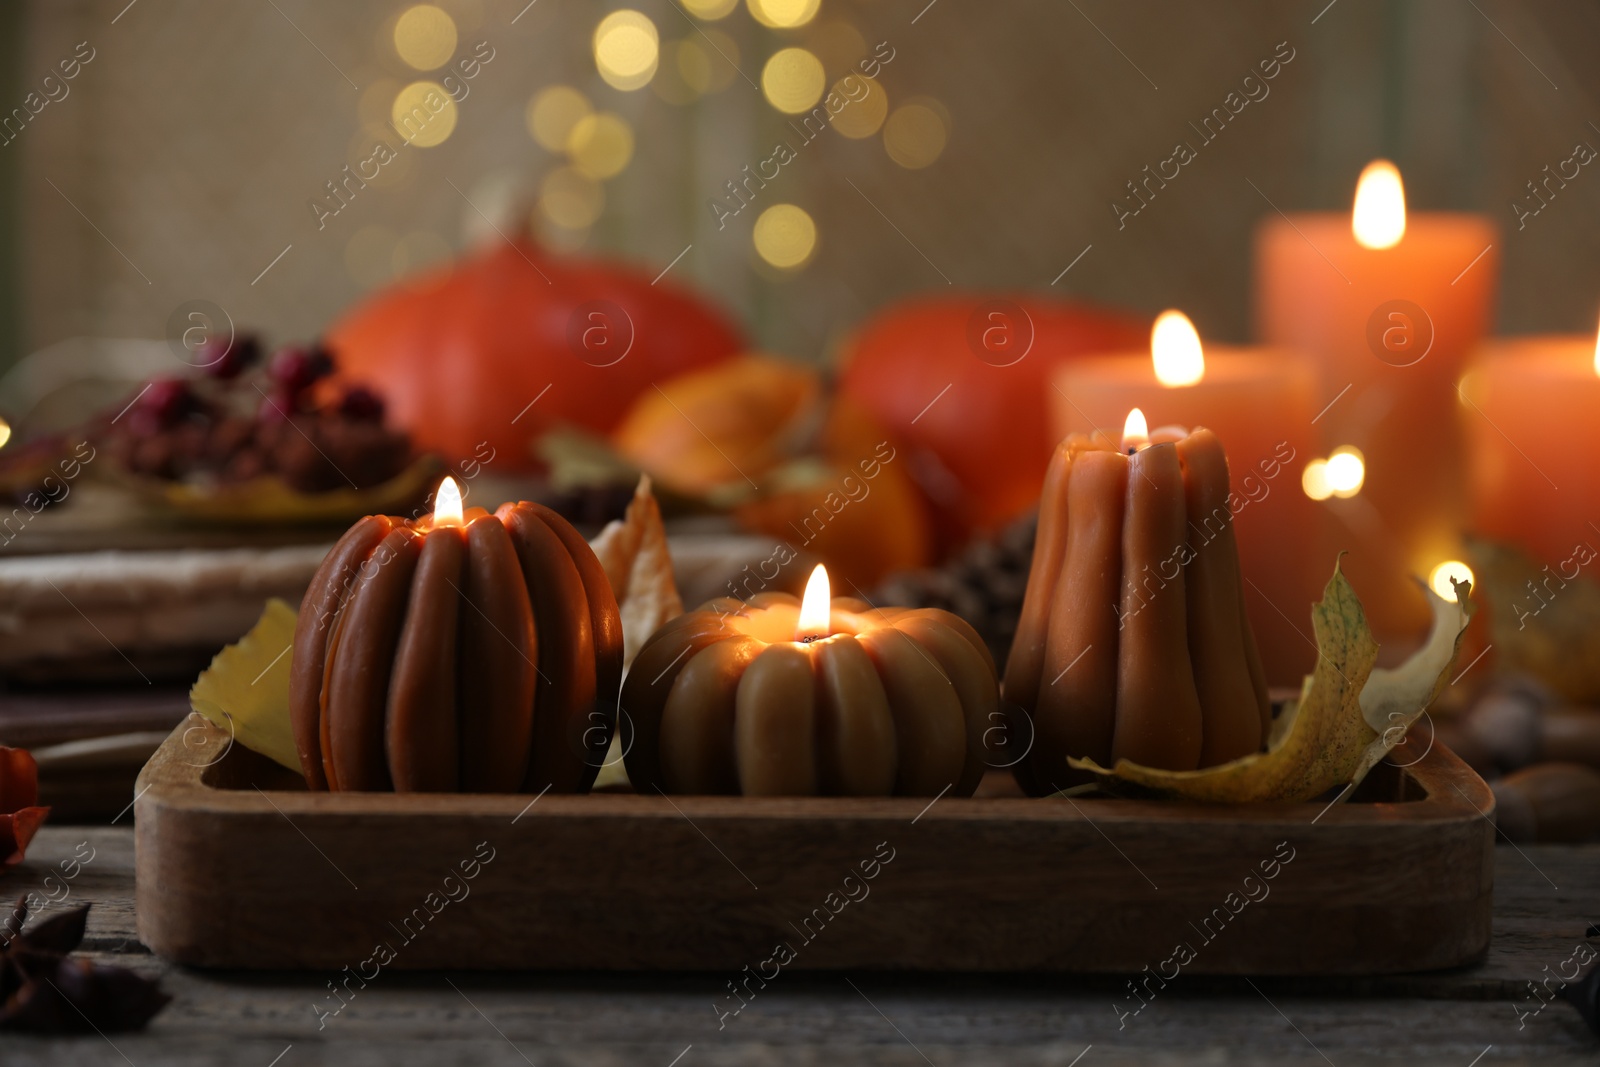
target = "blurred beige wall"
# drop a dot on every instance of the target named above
(183, 158)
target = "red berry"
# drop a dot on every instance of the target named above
(162, 403)
(296, 367)
(361, 404)
(278, 405)
(225, 359)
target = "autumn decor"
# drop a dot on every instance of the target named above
(709, 428)
(46, 990)
(462, 651)
(20, 815)
(855, 506)
(511, 341)
(1350, 713)
(962, 384)
(1133, 641)
(775, 697)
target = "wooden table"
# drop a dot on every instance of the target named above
(1545, 899)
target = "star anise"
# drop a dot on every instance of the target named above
(1585, 996)
(45, 989)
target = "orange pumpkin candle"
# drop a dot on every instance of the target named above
(772, 697)
(1133, 641)
(1389, 305)
(461, 651)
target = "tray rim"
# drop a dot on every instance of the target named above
(1453, 792)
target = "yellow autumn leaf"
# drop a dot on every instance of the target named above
(245, 691)
(1348, 717)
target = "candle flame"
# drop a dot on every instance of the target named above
(447, 504)
(1439, 579)
(1135, 432)
(1379, 218)
(1175, 350)
(815, 606)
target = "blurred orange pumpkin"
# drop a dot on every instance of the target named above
(856, 508)
(710, 428)
(507, 342)
(960, 382)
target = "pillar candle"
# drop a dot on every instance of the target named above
(1133, 642)
(1261, 403)
(1389, 305)
(1530, 407)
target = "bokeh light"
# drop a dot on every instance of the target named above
(425, 37)
(626, 49)
(793, 80)
(1314, 480)
(866, 111)
(783, 14)
(424, 114)
(915, 134)
(1439, 578)
(785, 236)
(571, 199)
(5, 432)
(710, 10)
(600, 145)
(553, 112)
(1347, 471)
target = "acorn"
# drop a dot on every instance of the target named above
(1517, 723)
(1549, 802)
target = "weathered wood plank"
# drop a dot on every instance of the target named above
(801, 1018)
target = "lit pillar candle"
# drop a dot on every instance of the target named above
(1260, 402)
(1530, 406)
(1133, 642)
(1389, 305)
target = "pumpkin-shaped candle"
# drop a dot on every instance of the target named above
(1133, 642)
(461, 651)
(775, 697)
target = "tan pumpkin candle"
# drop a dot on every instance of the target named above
(461, 651)
(1133, 641)
(772, 697)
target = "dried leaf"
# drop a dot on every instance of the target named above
(245, 691)
(635, 557)
(1541, 621)
(1347, 718)
(270, 499)
(20, 815)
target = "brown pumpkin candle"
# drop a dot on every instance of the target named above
(462, 651)
(1133, 641)
(769, 697)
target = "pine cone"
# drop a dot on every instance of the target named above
(983, 585)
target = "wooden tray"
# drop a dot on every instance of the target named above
(238, 866)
